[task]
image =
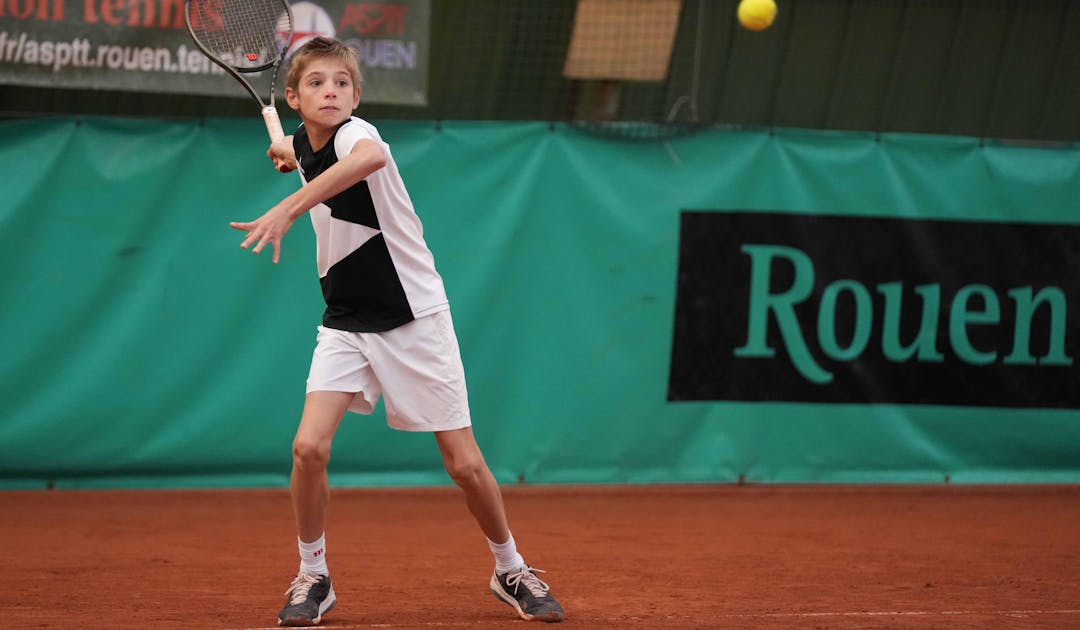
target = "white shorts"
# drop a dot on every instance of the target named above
(417, 365)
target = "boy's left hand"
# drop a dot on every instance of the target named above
(269, 228)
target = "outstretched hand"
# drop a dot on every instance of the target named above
(269, 228)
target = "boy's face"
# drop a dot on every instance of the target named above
(325, 95)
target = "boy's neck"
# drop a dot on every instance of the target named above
(319, 136)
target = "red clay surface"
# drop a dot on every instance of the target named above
(617, 557)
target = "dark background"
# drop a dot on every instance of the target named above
(1005, 69)
(712, 304)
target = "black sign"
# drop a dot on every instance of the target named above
(812, 308)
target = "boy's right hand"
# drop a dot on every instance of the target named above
(281, 154)
(282, 166)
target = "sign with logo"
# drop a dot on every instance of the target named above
(811, 308)
(143, 46)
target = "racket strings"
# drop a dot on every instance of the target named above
(246, 34)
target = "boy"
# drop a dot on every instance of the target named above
(386, 328)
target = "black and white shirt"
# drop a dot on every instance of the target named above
(376, 271)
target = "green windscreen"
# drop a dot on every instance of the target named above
(140, 346)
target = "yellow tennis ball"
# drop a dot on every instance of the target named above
(757, 15)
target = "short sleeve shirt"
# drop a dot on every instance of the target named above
(375, 268)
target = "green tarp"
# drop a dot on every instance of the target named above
(139, 346)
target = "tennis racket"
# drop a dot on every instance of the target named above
(243, 37)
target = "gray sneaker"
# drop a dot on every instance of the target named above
(528, 594)
(309, 598)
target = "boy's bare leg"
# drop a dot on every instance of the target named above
(309, 485)
(311, 594)
(466, 466)
(515, 583)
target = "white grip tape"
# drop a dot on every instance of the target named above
(273, 123)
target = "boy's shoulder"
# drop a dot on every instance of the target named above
(352, 131)
(355, 123)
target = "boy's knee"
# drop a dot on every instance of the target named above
(466, 471)
(310, 455)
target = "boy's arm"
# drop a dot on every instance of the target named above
(365, 158)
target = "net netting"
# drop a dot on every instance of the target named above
(622, 68)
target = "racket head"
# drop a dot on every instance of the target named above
(246, 35)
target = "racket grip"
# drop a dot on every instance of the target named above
(273, 123)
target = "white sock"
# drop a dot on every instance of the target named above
(313, 556)
(507, 557)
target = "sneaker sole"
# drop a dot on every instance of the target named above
(496, 590)
(302, 622)
(298, 622)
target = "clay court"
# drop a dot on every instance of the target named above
(640, 557)
(769, 310)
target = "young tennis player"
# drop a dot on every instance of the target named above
(386, 329)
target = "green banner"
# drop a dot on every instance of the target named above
(144, 46)
(140, 346)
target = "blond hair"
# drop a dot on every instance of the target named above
(322, 48)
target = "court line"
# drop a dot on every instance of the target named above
(901, 613)
(778, 615)
(354, 627)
